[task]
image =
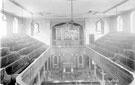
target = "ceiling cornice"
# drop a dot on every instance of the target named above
(122, 2)
(19, 5)
(9, 13)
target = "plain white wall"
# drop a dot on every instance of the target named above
(110, 25)
(44, 28)
(90, 25)
(112, 21)
(9, 23)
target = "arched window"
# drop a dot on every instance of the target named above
(36, 28)
(3, 25)
(132, 19)
(100, 26)
(80, 60)
(15, 25)
(119, 24)
(55, 58)
(1, 4)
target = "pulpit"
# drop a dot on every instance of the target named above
(68, 70)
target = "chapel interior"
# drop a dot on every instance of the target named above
(67, 42)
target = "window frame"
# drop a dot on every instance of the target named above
(57, 60)
(80, 64)
(38, 31)
(15, 25)
(132, 17)
(3, 22)
(119, 24)
(101, 31)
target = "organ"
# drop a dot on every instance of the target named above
(67, 34)
(41, 43)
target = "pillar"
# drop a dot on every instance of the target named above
(95, 74)
(103, 77)
(91, 38)
(39, 81)
(90, 63)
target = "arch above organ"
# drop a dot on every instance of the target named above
(67, 33)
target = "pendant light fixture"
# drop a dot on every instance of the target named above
(22, 17)
(71, 21)
(3, 10)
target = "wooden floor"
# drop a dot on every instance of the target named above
(84, 74)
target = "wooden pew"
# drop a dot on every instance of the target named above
(29, 49)
(12, 56)
(11, 42)
(25, 50)
(7, 44)
(13, 37)
(104, 51)
(120, 45)
(4, 51)
(125, 38)
(130, 53)
(36, 53)
(125, 61)
(6, 60)
(125, 58)
(109, 47)
(20, 46)
(18, 66)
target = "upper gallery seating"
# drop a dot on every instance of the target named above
(18, 52)
(119, 47)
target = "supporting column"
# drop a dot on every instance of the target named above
(91, 38)
(95, 74)
(44, 75)
(47, 64)
(103, 77)
(90, 63)
(116, 84)
(39, 81)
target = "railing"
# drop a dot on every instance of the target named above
(67, 42)
(124, 76)
(35, 71)
(33, 75)
(72, 83)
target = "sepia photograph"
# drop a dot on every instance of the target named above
(67, 42)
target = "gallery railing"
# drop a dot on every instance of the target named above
(36, 74)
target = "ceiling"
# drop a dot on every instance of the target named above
(62, 8)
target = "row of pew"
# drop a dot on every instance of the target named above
(17, 53)
(119, 47)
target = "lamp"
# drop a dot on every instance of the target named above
(3, 10)
(22, 16)
(116, 12)
(71, 21)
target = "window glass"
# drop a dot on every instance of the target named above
(132, 18)
(1, 4)
(36, 28)
(15, 25)
(119, 24)
(80, 60)
(3, 25)
(100, 26)
(55, 60)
